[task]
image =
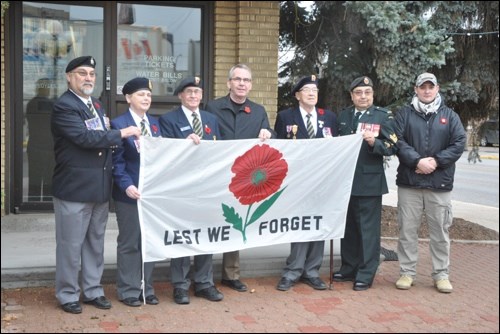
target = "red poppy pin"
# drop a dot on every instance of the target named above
(154, 128)
(207, 130)
(247, 109)
(443, 120)
(97, 105)
(321, 111)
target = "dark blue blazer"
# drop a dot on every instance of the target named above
(83, 157)
(126, 159)
(292, 116)
(174, 124)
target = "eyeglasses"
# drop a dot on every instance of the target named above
(361, 92)
(84, 74)
(193, 91)
(309, 90)
(245, 80)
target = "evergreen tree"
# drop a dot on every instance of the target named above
(393, 42)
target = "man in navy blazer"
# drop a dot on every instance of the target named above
(188, 121)
(305, 122)
(82, 186)
(126, 163)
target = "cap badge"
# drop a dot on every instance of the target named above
(366, 81)
(150, 84)
(92, 62)
(196, 80)
(313, 77)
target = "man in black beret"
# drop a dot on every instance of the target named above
(83, 146)
(189, 121)
(187, 82)
(360, 247)
(87, 61)
(305, 121)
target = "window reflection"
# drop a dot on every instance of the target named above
(53, 34)
(159, 43)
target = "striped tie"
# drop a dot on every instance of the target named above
(355, 121)
(144, 131)
(197, 125)
(310, 129)
(91, 108)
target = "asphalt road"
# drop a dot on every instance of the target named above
(474, 183)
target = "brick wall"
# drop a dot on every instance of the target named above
(248, 32)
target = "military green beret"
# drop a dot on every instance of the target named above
(360, 82)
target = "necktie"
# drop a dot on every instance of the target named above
(310, 129)
(355, 121)
(197, 125)
(92, 110)
(144, 131)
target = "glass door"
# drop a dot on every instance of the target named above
(52, 35)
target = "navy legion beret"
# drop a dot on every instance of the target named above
(80, 61)
(136, 84)
(361, 82)
(188, 82)
(311, 79)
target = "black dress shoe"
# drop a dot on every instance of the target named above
(211, 293)
(338, 277)
(150, 300)
(314, 282)
(360, 286)
(132, 301)
(181, 296)
(235, 284)
(72, 307)
(284, 284)
(100, 302)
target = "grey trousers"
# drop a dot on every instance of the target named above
(80, 231)
(304, 260)
(129, 256)
(203, 272)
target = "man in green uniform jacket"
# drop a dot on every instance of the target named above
(360, 247)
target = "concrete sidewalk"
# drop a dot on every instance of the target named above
(472, 307)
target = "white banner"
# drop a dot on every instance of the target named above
(222, 196)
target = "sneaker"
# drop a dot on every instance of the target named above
(404, 282)
(443, 285)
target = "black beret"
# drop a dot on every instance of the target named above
(136, 84)
(188, 82)
(361, 82)
(311, 79)
(80, 61)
